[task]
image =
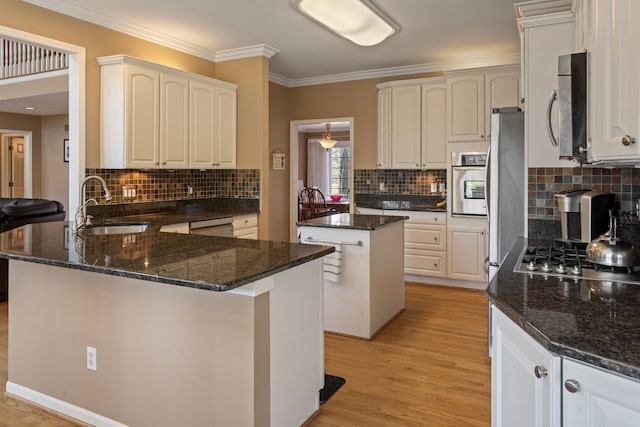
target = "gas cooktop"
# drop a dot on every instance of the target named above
(568, 259)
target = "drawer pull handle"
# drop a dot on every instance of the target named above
(572, 386)
(540, 371)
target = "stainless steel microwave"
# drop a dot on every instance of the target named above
(468, 183)
(572, 107)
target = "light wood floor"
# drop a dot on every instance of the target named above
(429, 367)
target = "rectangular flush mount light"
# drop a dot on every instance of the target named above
(359, 21)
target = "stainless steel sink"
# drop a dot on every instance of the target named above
(115, 228)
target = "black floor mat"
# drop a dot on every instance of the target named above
(331, 385)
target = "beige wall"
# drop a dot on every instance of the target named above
(56, 171)
(27, 123)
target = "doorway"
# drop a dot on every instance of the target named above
(76, 76)
(14, 170)
(331, 179)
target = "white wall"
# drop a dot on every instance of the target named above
(54, 172)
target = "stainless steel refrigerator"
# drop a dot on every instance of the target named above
(504, 183)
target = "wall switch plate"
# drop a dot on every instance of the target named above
(92, 361)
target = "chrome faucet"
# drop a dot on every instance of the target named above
(81, 214)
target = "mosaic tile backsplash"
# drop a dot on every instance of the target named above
(544, 183)
(161, 185)
(397, 181)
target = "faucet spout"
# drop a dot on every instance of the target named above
(81, 214)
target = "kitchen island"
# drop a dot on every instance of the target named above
(565, 351)
(187, 329)
(364, 278)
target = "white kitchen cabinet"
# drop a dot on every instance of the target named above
(384, 128)
(406, 127)
(181, 228)
(174, 121)
(158, 117)
(471, 97)
(614, 85)
(245, 226)
(425, 242)
(466, 251)
(593, 397)
(525, 378)
(434, 119)
(411, 124)
(544, 38)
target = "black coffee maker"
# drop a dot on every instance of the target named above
(584, 213)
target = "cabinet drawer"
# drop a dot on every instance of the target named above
(245, 221)
(418, 236)
(425, 263)
(246, 233)
(417, 217)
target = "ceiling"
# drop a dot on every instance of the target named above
(435, 35)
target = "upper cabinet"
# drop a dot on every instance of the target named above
(157, 117)
(614, 85)
(471, 97)
(544, 38)
(411, 124)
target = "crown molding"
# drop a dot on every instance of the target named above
(548, 19)
(84, 13)
(399, 71)
(541, 7)
(246, 52)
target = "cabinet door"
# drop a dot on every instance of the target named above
(384, 128)
(525, 378)
(601, 398)
(225, 127)
(465, 121)
(201, 125)
(174, 121)
(142, 101)
(615, 67)
(502, 90)
(405, 127)
(434, 124)
(466, 252)
(542, 45)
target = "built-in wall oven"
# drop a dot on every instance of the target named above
(468, 171)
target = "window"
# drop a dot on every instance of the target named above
(339, 170)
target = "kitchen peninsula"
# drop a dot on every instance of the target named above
(186, 329)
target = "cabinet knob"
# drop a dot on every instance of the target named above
(435, 264)
(435, 238)
(628, 140)
(540, 371)
(572, 386)
(481, 136)
(521, 100)
(417, 165)
(164, 163)
(488, 136)
(435, 219)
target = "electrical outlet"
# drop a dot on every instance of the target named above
(92, 361)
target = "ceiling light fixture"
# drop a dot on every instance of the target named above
(326, 140)
(359, 21)
(30, 108)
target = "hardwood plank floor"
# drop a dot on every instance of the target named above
(429, 367)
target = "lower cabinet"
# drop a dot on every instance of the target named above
(525, 378)
(466, 253)
(592, 397)
(245, 226)
(533, 387)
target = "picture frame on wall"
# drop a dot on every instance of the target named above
(65, 151)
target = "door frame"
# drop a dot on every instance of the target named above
(293, 174)
(77, 121)
(28, 175)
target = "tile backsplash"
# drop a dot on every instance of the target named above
(544, 183)
(397, 181)
(162, 185)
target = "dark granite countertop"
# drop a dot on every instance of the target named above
(352, 221)
(400, 202)
(593, 321)
(203, 262)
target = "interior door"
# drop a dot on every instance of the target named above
(16, 185)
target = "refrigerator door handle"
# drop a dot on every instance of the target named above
(553, 98)
(487, 184)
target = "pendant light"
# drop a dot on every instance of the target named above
(326, 140)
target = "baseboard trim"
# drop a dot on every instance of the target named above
(445, 282)
(60, 406)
